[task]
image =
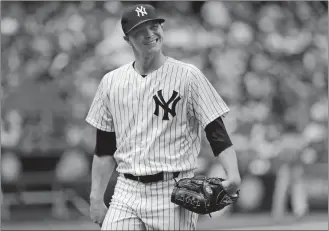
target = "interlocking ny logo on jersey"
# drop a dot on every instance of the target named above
(141, 11)
(159, 101)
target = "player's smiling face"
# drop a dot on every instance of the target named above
(147, 37)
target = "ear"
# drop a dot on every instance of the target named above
(127, 40)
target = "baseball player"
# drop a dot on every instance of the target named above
(149, 115)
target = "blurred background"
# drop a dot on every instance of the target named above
(268, 60)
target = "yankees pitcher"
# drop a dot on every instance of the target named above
(149, 115)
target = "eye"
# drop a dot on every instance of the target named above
(155, 26)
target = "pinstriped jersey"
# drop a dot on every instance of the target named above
(157, 119)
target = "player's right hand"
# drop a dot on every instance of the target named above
(231, 187)
(98, 211)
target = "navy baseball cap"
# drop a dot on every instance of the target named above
(135, 15)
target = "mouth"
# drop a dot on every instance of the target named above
(153, 41)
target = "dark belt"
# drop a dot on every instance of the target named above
(149, 178)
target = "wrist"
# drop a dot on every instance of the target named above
(95, 198)
(235, 180)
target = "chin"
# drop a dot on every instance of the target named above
(154, 49)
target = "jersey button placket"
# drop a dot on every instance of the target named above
(143, 120)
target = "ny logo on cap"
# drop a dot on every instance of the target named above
(141, 11)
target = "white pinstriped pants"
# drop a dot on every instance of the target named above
(139, 206)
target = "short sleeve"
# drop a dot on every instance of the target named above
(205, 104)
(99, 115)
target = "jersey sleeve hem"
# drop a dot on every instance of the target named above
(215, 116)
(99, 126)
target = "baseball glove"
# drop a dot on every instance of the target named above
(202, 195)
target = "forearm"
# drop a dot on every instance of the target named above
(228, 160)
(102, 169)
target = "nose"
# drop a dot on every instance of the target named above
(148, 33)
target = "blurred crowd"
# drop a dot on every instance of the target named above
(268, 60)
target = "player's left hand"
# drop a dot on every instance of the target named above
(231, 186)
(98, 211)
(204, 195)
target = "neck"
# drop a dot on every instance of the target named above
(145, 64)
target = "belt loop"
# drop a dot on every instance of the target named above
(167, 176)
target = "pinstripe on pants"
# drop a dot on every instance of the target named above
(139, 206)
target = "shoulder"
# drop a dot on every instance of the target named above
(190, 68)
(120, 70)
(180, 64)
(117, 72)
